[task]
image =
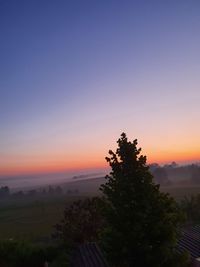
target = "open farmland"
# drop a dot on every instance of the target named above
(33, 219)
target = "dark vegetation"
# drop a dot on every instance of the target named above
(22, 254)
(135, 222)
(82, 222)
(173, 174)
(191, 208)
(142, 222)
(43, 192)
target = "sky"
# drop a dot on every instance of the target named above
(76, 74)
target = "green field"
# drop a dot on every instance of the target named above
(33, 219)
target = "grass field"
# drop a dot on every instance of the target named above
(33, 220)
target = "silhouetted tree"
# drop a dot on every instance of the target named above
(81, 223)
(171, 166)
(142, 222)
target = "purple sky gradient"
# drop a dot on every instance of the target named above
(75, 74)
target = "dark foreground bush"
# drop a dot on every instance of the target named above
(22, 254)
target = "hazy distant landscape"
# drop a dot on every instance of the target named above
(25, 182)
(35, 213)
(169, 175)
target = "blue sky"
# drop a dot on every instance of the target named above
(75, 74)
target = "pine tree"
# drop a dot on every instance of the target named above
(142, 222)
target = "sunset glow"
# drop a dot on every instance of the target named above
(74, 77)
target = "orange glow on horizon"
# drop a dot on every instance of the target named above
(50, 166)
(162, 157)
(90, 158)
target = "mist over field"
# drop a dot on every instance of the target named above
(25, 182)
(168, 175)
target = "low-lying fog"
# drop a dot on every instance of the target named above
(167, 175)
(24, 182)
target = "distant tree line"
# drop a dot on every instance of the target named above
(175, 174)
(5, 192)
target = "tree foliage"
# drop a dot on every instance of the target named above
(23, 254)
(142, 222)
(82, 222)
(191, 207)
